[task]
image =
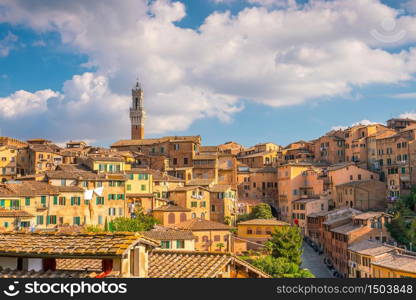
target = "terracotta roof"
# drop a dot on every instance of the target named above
(69, 245)
(271, 222)
(208, 149)
(370, 248)
(143, 195)
(8, 273)
(75, 264)
(369, 215)
(200, 182)
(175, 264)
(205, 157)
(346, 229)
(218, 188)
(69, 189)
(335, 213)
(26, 188)
(106, 158)
(171, 207)
(200, 224)
(187, 264)
(396, 261)
(7, 213)
(121, 143)
(361, 183)
(161, 233)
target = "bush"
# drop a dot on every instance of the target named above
(279, 267)
(141, 222)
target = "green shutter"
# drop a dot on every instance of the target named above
(55, 200)
(72, 200)
(109, 197)
(122, 196)
(27, 201)
(43, 199)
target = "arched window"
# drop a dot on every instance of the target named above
(193, 215)
(171, 218)
(183, 217)
(205, 238)
(203, 216)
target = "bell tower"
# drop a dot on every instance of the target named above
(137, 113)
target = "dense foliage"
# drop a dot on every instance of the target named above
(403, 225)
(286, 242)
(280, 267)
(260, 211)
(283, 259)
(141, 222)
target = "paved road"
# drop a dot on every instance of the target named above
(314, 262)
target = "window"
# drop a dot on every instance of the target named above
(39, 220)
(76, 220)
(185, 160)
(129, 187)
(75, 200)
(359, 176)
(213, 208)
(165, 244)
(194, 204)
(176, 147)
(27, 201)
(62, 201)
(193, 215)
(171, 218)
(131, 176)
(217, 238)
(99, 184)
(175, 161)
(143, 187)
(351, 177)
(203, 204)
(100, 220)
(6, 224)
(51, 220)
(183, 217)
(100, 200)
(85, 183)
(43, 200)
(180, 244)
(63, 182)
(249, 231)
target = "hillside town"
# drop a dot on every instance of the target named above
(340, 191)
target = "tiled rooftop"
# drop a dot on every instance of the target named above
(181, 264)
(270, 222)
(200, 224)
(69, 245)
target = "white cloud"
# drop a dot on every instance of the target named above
(263, 55)
(7, 44)
(404, 96)
(409, 115)
(362, 122)
(23, 103)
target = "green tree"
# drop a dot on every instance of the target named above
(141, 222)
(260, 211)
(280, 267)
(286, 242)
(403, 224)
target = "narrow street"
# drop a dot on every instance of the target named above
(314, 262)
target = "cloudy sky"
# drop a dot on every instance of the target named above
(242, 70)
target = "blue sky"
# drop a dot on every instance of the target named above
(226, 106)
